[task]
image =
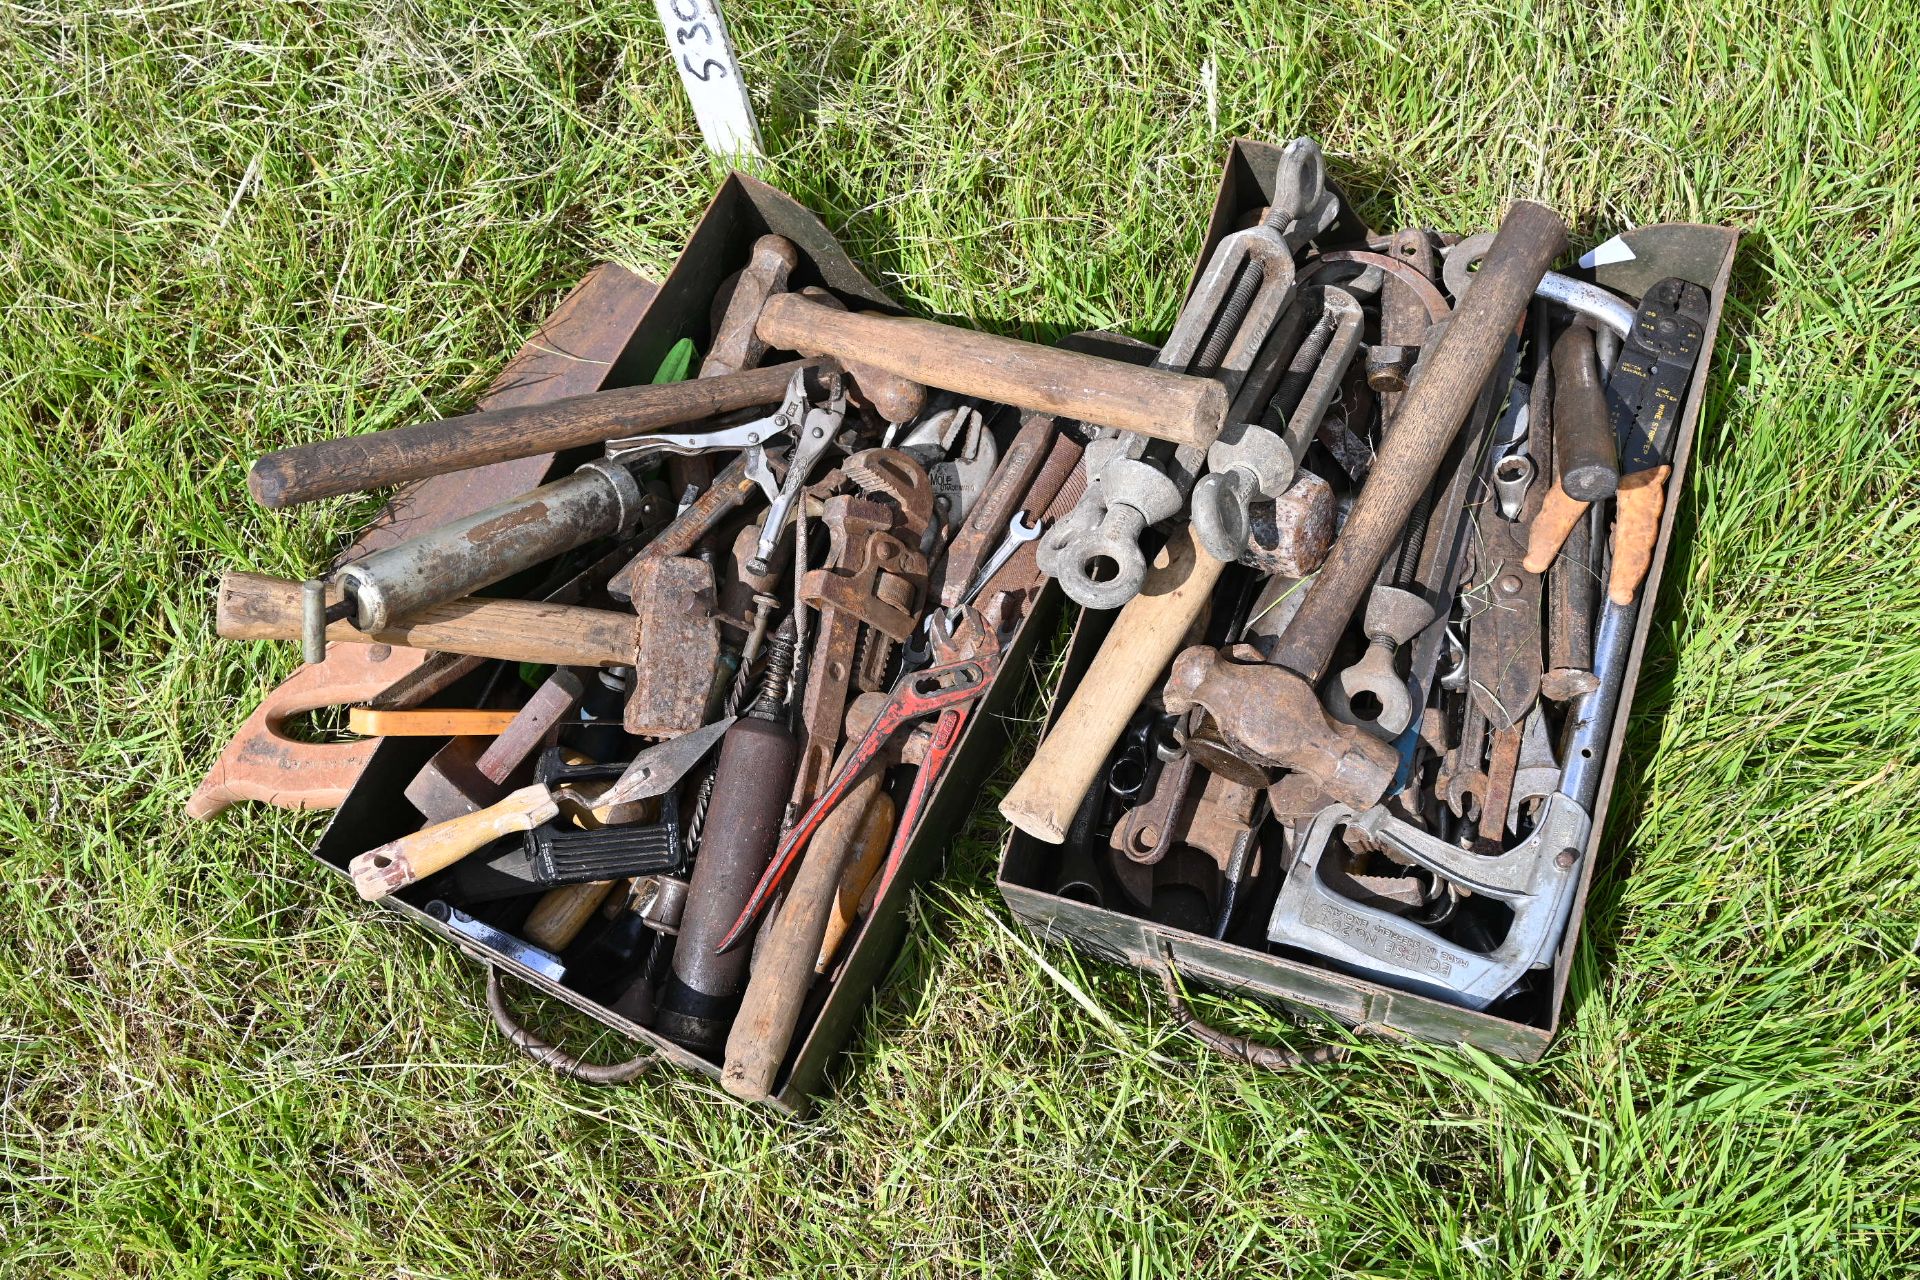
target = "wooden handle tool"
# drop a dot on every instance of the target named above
(1551, 524)
(870, 850)
(1109, 393)
(1638, 504)
(399, 863)
(1134, 656)
(557, 919)
(429, 722)
(349, 464)
(783, 961)
(253, 606)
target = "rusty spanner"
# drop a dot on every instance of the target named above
(969, 658)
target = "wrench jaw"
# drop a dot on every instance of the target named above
(1536, 880)
(1372, 677)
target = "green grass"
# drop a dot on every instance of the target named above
(231, 227)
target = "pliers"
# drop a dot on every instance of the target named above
(966, 658)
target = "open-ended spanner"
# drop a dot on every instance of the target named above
(1019, 531)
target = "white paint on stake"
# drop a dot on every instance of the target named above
(697, 39)
(1614, 250)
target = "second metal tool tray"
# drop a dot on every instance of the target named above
(1703, 254)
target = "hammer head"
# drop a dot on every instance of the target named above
(1270, 717)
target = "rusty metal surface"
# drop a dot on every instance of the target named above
(1289, 536)
(855, 528)
(1701, 253)
(679, 646)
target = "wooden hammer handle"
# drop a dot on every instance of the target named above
(1145, 636)
(349, 464)
(253, 606)
(783, 961)
(1531, 236)
(1108, 393)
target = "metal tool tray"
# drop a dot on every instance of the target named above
(377, 811)
(1703, 254)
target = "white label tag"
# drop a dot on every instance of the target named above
(1614, 250)
(709, 69)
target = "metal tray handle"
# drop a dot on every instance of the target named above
(558, 1060)
(1238, 1048)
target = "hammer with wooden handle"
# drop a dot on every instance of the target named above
(349, 464)
(1178, 407)
(253, 606)
(1270, 713)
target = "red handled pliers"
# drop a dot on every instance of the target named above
(963, 671)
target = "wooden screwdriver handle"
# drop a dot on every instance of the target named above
(557, 919)
(398, 863)
(253, 606)
(1146, 634)
(1108, 393)
(349, 464)
(1551, 524)
(869, 851)
(1638, 504)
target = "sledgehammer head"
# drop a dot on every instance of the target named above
(1269, 716)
